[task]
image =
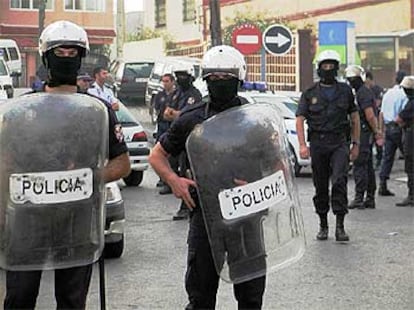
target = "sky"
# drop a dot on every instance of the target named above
(133, 5)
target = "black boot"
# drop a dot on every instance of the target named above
(383, 190)
(182, 213)
(408, 201)
(323, 227)
(369, 202)
(340, 233)
(358, 201)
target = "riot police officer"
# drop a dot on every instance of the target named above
(186, 95)
(326, 106)
(406, 119)
(223, 70)
(62, 45)
(364, 174)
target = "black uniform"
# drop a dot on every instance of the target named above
(327, 111)
(161, 101)
(364, 174)
(201, 279)
(71, 284)
(407, 115)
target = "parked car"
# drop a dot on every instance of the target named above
(114, 221)
(137, 143)
(9, 51)
(6, 82)
(161, 67)
(130, 79)
(287, 109)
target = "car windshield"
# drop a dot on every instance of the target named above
(138, 70)
(285, 105)
(125, 117)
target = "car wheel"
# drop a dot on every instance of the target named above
(294, 161)
(115, 249)
(134, 178)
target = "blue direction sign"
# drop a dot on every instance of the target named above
(277, 39)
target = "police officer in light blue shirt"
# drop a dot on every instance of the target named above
(393, 102)
(100, 90)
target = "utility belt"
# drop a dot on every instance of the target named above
(328, 137)
(392, 125)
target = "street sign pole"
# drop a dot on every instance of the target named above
(263, 64)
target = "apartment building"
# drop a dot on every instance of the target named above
(19, 20)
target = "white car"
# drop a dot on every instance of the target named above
(6, 82)
(287, 108)
(137, 143)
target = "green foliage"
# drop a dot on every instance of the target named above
(261, 19)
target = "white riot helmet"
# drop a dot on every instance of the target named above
(353, 71)
(408, 86)
(224, 59)
(182, 66)
(63, 33)
(328, 55)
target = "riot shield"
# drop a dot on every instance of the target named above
(245, 183)
(53, 148)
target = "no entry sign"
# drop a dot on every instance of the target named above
(247, 38)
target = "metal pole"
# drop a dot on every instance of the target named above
(102, 282)
(120, 28)
(42, 9)
(215, 24)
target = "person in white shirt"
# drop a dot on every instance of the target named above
(99, 89)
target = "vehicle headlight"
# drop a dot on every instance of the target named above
(113, 193)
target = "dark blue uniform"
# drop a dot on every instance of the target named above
(407, 115)
(364, 174)
(201, 279)
(71, 284)
(327, 111)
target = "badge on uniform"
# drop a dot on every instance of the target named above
(118, 132)
(314, 100)
(190, 100)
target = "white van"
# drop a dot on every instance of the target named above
(6, 83)
(10, 53)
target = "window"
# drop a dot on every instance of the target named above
(189, 10)
(13, 53)
(160, 13)
(4, 53)
(30, 4)
(85, 5)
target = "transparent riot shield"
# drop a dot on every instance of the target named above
(245, 183)
(52, 151)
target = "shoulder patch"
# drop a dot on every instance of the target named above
(314, 100)
(190, 100)
(118, 132)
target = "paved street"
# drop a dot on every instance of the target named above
(374, 270)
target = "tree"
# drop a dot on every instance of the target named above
(148, 33)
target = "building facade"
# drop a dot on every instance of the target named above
(19, 20)
(188, 22)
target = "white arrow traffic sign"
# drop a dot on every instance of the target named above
(279, 39)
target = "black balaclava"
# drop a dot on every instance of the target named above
(409, 92)
(184, 81)
(328, 76)
(355, 82)
(222, 93)
(62, 70)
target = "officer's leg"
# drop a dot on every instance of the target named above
(369, 202)
(408, 168)
(339, 179)
(361, 171)
(249, 294)
(320, 177)
(22, 288)
(71, 287)
(392, 142)
(201, 279)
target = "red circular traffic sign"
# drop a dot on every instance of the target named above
(247, 38)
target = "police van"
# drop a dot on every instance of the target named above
(6, 85)
(10, 53)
